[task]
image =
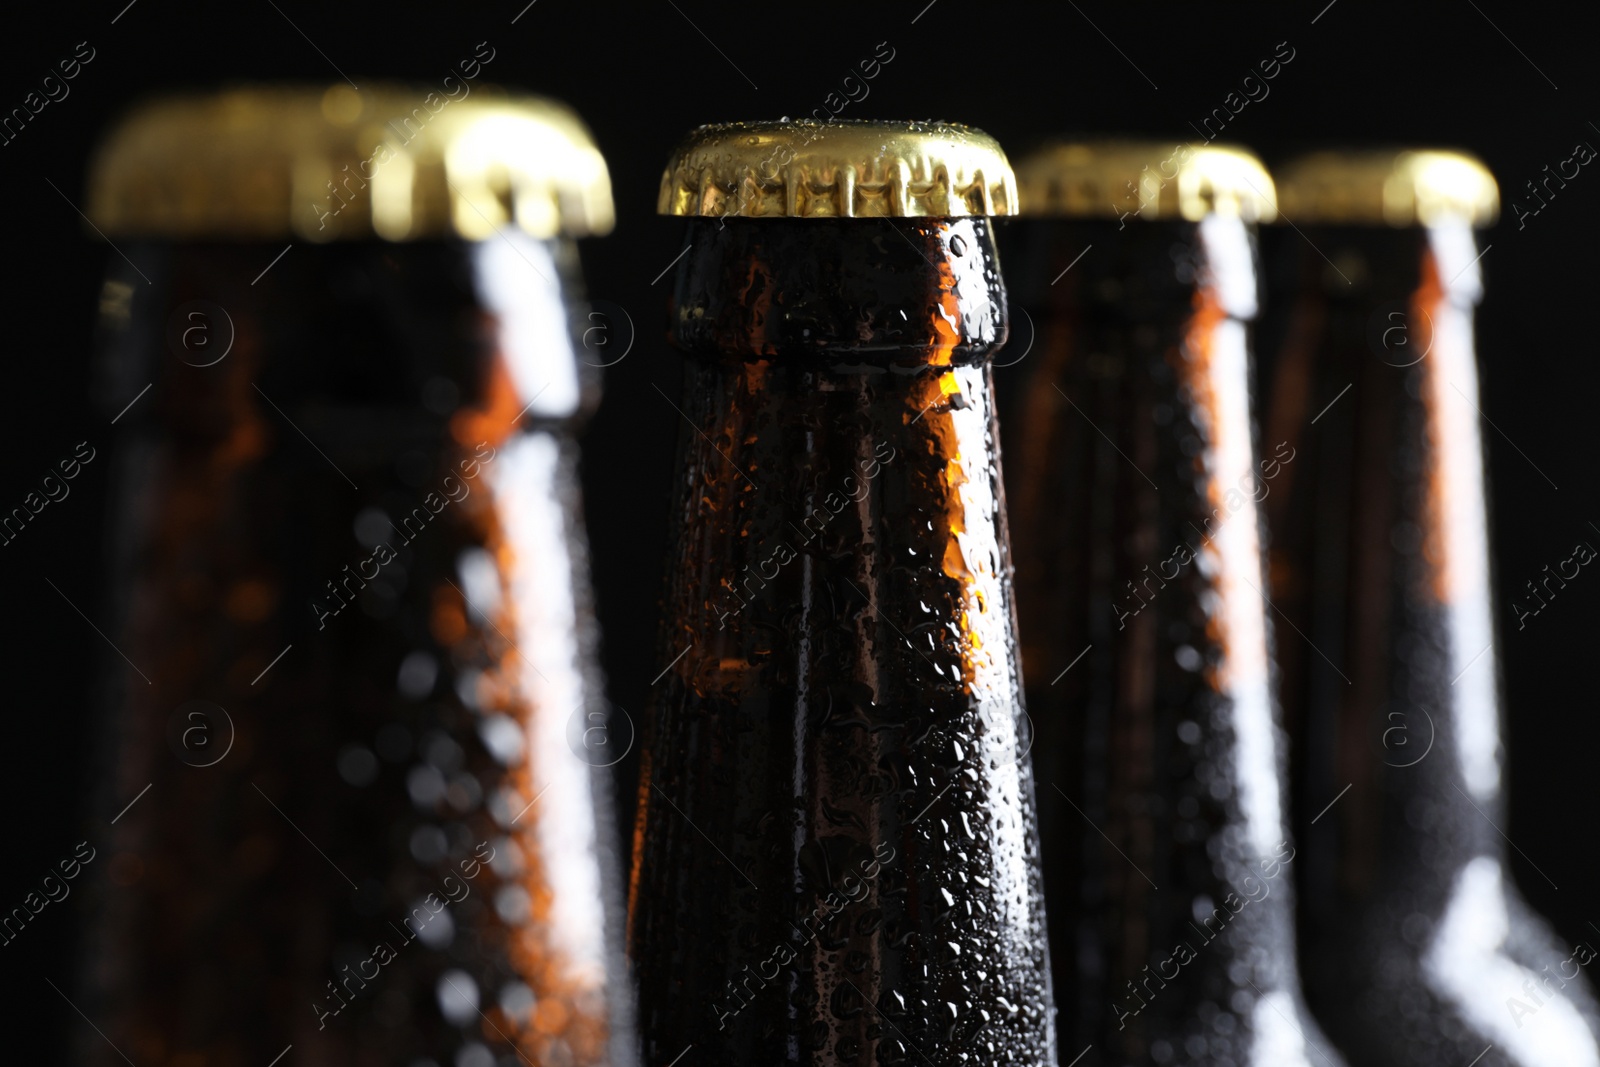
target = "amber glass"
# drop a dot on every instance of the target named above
(1136, 486)
(1420, 952)
(349, 580)
(835, 855)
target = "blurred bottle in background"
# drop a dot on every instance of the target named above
(1135, 488)
(1420, 951)
(359, 701)
(835, 857)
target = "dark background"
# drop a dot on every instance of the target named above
(640, 75)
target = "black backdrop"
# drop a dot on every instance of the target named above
(1514, 83)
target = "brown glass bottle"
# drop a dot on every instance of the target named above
(1135, 482)
(1420, 951)
(350, 586)
(835, 859)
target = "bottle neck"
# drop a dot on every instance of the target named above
(879, 294)
(1140, 582)
(840, 710)
(1396, 326)
(1137, 412)
(839, 379)
(1382, 554)
(347, 504)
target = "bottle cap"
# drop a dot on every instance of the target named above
(388, 161)
(1145, 179)
(841, 169)
(1410, 188)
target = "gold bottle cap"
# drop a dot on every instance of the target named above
(842, 169)
(1412, 188)
(1145, 179)
(389, 161)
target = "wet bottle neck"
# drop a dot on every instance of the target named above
(838, 370)
(350, 485)
(840, 366)
(843, 682)
(1138, 488)
(1135, 408)
(1393, 515)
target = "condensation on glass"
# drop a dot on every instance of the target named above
(349, 565)
(1147, 643)
(835, 856)
(1421, 952)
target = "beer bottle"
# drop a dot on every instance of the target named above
(1420, 950)
(835, 859)
(1147, 641)
(349, 595)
